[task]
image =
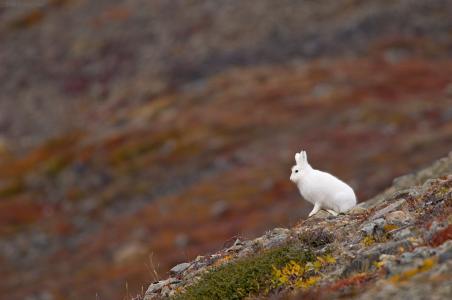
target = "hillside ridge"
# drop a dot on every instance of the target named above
(396, 244)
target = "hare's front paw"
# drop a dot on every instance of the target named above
(314, 210)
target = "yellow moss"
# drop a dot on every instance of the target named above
(390, 227)
(317, 265)
(368, 241)
(294, 275)
(378, 264)
(308, 282)
(290, 274)
(327, 259)
(426, 265)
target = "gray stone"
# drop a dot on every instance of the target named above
(272, 238)
(245, 252)
(357, 210)
(370, 228)
(238, 245)
(409, 257)
(364, 261)
(389, 262)
(399, 217)
(402, 234)
(387, 209)
(445, 252)
(156, 286)
(165, 291)
(180, 268)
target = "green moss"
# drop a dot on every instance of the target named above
(248, 276)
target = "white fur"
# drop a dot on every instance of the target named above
(322, 189)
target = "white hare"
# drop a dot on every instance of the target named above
(320, 188)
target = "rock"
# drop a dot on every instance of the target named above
(154, 287)
(420, 252)
(272, 238)
(321, 214)
(399, 218)
(165, 291)
(179, 268)
(237, 246)
(246, 252)
(402, 234)
(389, 262)
(370, 228)
(365, 260)
(151, 292)
(445, 252)
(357, 210)
(387, 209)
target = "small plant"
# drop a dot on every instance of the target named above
(317, 238)
(368, 240)
(295, 275)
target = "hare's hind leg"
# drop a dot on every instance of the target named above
(334, 213)
(315, 209)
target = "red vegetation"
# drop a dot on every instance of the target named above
(441, 236)
(355, 280)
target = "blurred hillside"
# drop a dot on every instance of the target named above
(168, 127)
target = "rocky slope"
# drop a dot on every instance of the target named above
(396, 245)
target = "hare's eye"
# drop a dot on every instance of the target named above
(296, 171)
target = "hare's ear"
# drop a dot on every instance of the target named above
(304, 156)
(298, 158)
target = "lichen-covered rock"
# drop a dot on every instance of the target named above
(160, 288)
(399, 218)
(371, 227)
(179, 268)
